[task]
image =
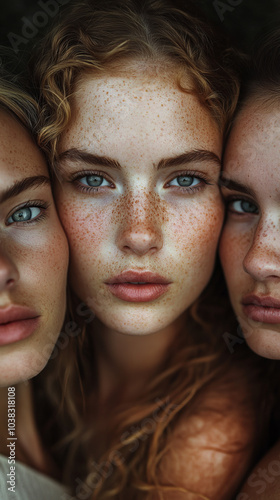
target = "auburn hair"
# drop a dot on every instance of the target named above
(92, 36)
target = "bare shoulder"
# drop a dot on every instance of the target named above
(211, 450)
(264, 481)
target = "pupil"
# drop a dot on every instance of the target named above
(185, 180)
(22, 215)
(248, 207)
(94, 180)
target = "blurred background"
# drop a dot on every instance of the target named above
(22, 22)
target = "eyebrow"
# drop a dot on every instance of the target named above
(236, 186)
(20, 186)
(193, 156)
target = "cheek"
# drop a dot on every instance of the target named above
(43, 259)
(233, 248)
(87, 231)
(197, 229)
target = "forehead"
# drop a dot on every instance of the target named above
(19, 155)
(136, 107)
(254, 142)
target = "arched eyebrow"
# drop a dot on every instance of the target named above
(194, 156)
(22, 185)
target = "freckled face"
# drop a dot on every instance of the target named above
(250, 243)
(33, 259)
(136, 209)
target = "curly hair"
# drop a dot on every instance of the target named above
(92, 36)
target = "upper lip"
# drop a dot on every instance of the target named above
(261, 301)
(16, 313)
(138, 277)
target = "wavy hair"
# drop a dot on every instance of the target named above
(92, 36)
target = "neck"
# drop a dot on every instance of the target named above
(126, 363)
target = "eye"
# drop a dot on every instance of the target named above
(185, 181)
(94, 180)
(242, 207)
(24, 214)
(32, 211)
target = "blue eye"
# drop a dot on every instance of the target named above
(94, 180)
(243, 206)
(185, 181)
(24, 214)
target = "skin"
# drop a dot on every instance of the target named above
(33, 255)
(250, 245)
(135, 221)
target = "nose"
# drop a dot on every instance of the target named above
(8, 272)
(262, 260)
(140, 230)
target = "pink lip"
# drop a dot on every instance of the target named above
(262, 309)
(17, 323)
(125, 288)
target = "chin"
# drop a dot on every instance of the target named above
(265, 342)
(20, 366)
(141, 322)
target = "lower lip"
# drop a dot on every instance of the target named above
(138, 293)
(17, 330)
(262, 314)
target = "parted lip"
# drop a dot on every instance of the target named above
(16, 313)
(261, 301)
(132, 276)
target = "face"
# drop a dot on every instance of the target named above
(250, 243)
(138, 198)
(33, 257)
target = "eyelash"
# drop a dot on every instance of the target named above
(195, 175)
(87, 189)
(30, 204)
(91, 189)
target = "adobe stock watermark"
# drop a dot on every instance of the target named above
(260, 479)
(222, 7)
(243, 333)
(135, 434)
(31, 26)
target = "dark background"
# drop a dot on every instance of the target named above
(243, 20)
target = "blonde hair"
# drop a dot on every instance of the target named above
(91, 36)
